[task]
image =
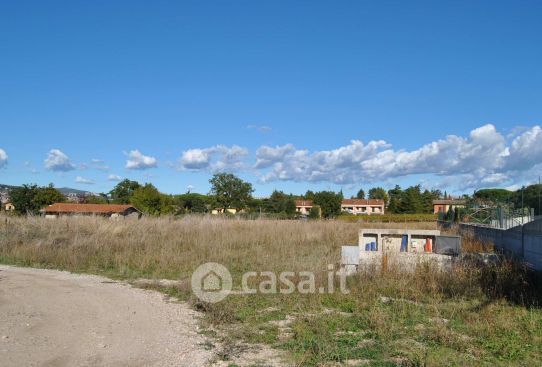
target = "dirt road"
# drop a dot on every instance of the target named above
(53, 318)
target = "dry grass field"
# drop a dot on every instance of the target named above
(470, 317)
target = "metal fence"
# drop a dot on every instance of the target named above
(491, 217)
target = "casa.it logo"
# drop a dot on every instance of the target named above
(211, 282)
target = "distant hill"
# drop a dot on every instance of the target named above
(69, 190)
(6, 188)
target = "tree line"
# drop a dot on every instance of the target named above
(230, 192)
(526, 197)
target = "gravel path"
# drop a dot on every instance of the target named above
(54, 318)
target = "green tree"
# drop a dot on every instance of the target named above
(279, 202)
(378, 193)
(147, 199)
(122, 192)
(394, 199)
(23, 199)
(192, 203)
(411, 201)
(168, 204)
(29, 199)
(96, 199)
(329, 203)
(229, 191)
(427, 201)
(494, 196)
(309, 195)
(532, 196)
(360, 194)
(315, 212)
(48, 195)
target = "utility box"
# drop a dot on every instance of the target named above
(448, 245)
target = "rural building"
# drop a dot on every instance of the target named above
(8, 207)
(443, 205)
(352, 206)
(104, 210)
(303, 207)
(363, 207)
(221, 211)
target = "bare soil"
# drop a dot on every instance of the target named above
(54, 318)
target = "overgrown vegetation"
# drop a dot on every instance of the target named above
(474, 316)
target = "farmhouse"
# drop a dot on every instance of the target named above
(222, 211)
(362, 206)
(443, 205)
(104, 210)
(352, 206)
(303, 207)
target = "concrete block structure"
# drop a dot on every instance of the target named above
(401, 249)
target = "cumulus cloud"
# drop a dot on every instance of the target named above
(484, 157)
(3, 158)
(136, 160)
(526, 149)
(82, 180)
(58, 161)
(214, 159)
(267, 156)
(113, 177)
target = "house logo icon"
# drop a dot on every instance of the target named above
(211, 282)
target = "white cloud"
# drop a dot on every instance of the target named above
(195, 159)
(58, 161)
(82, 180)
(113, 177)
(483, 151)
(482, 158)
(136, 160)
(214, 159)
(267, 156)
(526, 149)
(3, 158)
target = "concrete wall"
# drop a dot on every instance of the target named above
(532, 244)
(523, 242)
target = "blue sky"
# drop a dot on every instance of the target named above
(288, 95)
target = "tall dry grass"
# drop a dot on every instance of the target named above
(172, 248)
